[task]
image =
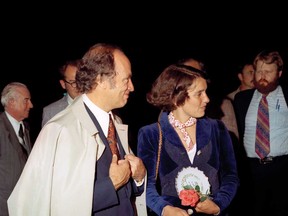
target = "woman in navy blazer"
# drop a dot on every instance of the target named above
(180, 93)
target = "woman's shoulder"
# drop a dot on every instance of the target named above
(212, 122)
(149, 128)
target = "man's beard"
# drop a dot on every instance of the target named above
(269, 87)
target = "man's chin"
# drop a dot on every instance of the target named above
(266, 88)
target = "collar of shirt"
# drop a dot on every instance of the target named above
(14, 122)
(271, 96)
(69, 99)
(101, 115)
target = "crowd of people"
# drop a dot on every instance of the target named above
(186, 162)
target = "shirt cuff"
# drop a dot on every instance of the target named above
(139, 183)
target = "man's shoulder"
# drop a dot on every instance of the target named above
(59, 103)
(2, 114)
(232, 94)
(2, 118)
(244, 94)
(284, 89)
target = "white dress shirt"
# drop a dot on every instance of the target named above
(278, 118)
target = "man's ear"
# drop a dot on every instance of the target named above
(101, 82)
(62, 83)
(240, 76)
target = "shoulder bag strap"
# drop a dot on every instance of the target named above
(159, 150)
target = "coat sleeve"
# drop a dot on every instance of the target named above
(31, 195)
(58, 178)
(228, 175)
(147, 150)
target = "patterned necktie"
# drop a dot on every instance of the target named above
(112, 140)
(262, 144)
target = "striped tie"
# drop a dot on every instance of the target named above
(262, 144)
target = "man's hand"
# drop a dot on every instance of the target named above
(119, 172)
(137, 167)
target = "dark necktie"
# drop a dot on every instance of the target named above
(262, 144)
(22, 135)
(112, 140)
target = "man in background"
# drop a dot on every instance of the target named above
(266, 163)
(68, 83)
(246, 77)
(15, 144)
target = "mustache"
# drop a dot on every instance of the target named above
(262, 80)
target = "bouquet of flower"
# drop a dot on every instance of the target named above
(192, 186)
(191, 196)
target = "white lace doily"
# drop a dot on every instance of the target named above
(192, 176)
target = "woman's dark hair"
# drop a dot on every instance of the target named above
(170, 89)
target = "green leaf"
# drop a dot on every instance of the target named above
(197, 188)
(203, 198)
(187, 187)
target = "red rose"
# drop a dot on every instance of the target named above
(189, 197)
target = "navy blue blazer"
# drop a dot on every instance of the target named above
(214, 156)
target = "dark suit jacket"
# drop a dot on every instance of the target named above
(12, 160)
(214, 156)
(106, 201)
(241, 104)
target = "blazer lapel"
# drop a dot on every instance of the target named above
(12, 135)
(122, 131)
(82, 113)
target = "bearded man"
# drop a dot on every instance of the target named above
(264, 136)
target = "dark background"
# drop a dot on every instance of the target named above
(34, 43)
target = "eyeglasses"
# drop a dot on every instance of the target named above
(72, 83)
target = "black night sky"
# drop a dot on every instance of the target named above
(35, 43)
